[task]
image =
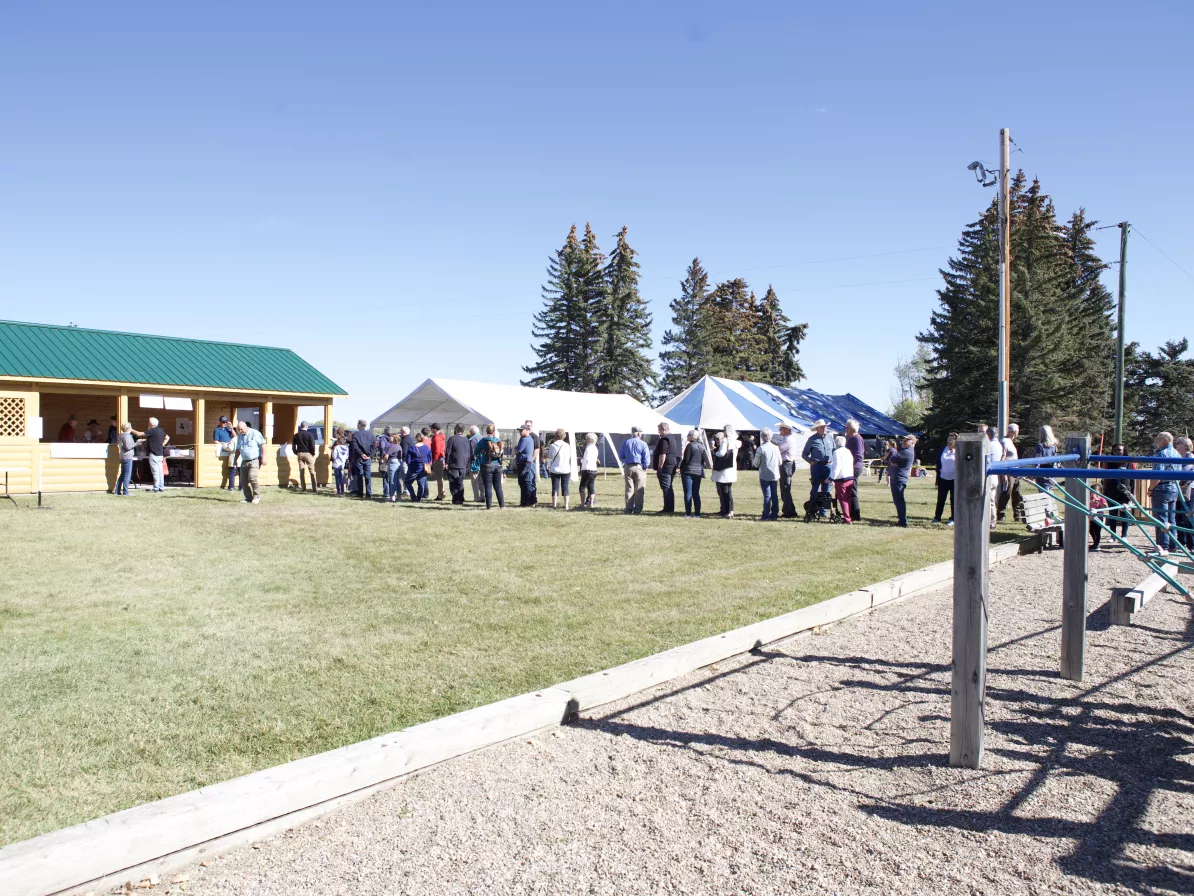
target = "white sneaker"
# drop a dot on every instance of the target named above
(256, 500)
(246, 501)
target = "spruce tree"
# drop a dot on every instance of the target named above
(624, 328)
(685, 358)
(727, 330)
(1058, 321)
(779, 342)
(562, 327)
(1158, 393)
(1095, 327)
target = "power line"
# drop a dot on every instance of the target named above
(1136, 230)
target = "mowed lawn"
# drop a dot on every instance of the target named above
(154, 644)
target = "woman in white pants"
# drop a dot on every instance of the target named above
(725, 468)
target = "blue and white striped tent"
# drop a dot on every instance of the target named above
(712, 402)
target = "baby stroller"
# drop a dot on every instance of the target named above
(823, 503)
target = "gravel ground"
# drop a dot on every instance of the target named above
(818, 766)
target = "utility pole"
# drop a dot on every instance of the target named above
(1124, 227)
(1005, 289)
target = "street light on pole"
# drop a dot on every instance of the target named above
(988, 178)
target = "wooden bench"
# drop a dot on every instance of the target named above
(1127, 602)
(1038, 521)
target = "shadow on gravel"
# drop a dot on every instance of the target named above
(1142, 750)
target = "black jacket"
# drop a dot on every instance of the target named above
(303, 442)
(668, 449)
(362, 443)
(458, 453)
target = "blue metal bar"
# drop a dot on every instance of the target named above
(1150, 459)
(1090, 473)
(1000, 465)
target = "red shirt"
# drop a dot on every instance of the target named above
(438, 440)
(67, 433)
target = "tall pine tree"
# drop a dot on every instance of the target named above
(1058, 322)
(779, 342)
(728, 330)
(684, 360)
(1158, 393)
(624, 328)
(560, 327)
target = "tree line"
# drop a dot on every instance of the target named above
(594, 331)
(1062, 337)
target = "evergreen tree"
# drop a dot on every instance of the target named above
(1059, 320)
(1096, 334)
(779, 342)
(729, 330)
(685, 358)
(623, 327)
(1158, 393)
(563, 327)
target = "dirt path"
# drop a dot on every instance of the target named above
(818, 766)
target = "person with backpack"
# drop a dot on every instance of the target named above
(489, 452)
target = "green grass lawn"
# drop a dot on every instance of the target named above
(153, 644)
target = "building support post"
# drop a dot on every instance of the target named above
(201, 446)
(1073, 588)
(972, 516)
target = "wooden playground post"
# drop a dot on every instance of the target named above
(972, 520)
(1073, 588)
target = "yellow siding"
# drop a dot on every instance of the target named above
(18, 456)
(77, 474)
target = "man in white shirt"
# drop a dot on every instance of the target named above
(1009, 486)
(994, 453)
(787, 467)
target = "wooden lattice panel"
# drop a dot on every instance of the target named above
(12, 417)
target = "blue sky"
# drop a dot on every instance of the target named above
(379, 185)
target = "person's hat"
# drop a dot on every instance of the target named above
(782, 425)
(819, 424)
(636, 430)
(223, 419)
(93, 423)
(388, 431)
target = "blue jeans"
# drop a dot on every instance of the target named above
(1165, 510)
(665, 476)
(391, 479)
(339, 471)
(770, 498)
(364, 471)
(491, 481)
(692, 493)
(897, 498)
(820, 479)
(527, 484)
(125, 477)
(416, 483)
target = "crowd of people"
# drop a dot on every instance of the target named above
(1170, 502)
(411, 462)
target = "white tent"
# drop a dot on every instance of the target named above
(448, 402)
(712, 403)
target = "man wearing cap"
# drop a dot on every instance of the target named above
(303, 444)
(787, 468)
(223, 435)
(818, 454)
(635, 457)
(360, 445)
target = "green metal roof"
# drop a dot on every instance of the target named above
(42, 351)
